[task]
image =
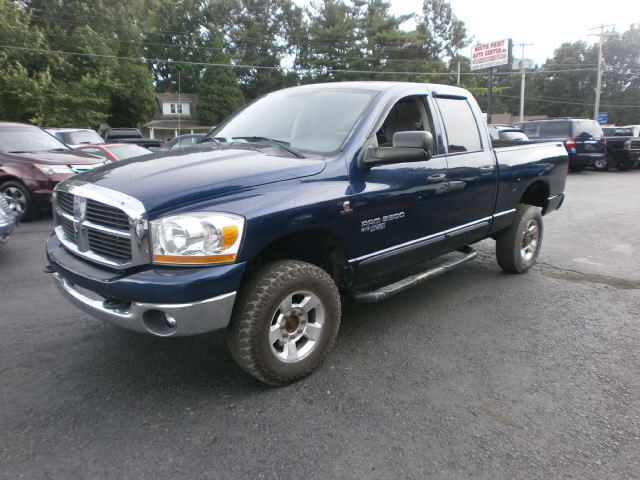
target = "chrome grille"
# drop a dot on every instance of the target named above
(100, 224)
(110, 245)
(65, 202)
(67, 227)
(105, 215)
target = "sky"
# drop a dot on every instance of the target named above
(544, 23)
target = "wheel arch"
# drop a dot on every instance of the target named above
(320, 247)
(536, 194)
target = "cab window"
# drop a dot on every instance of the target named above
(460, 125)
(409, 114)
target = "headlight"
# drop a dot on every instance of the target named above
(53, 169)
(197, 238)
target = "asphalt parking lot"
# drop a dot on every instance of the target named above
(478, 374)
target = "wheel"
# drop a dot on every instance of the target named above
(19, 200)
(624, 165)
(518, 246)
(285, 322)
(603, 164)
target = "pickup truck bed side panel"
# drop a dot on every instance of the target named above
(521, 166)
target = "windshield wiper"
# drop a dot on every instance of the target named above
(18, 151)
(273, 141)
(209, 139)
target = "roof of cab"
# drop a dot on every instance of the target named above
(381, 86)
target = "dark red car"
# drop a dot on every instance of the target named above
(115, 151)
(32, 162)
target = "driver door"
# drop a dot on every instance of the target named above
(402, 208)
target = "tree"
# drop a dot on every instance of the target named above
(220, 94)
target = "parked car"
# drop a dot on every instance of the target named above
(505, 135)
(130, 135)
(623, 149)
(8, 221)
(307, 193)
(32, 162)
(583, 138)
(75, 137)
(115, 151)
(182, 141)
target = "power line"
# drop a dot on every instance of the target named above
(546, 99)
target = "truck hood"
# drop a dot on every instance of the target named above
(166, 179)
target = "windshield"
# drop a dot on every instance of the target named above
(22, 139)
(80, 137)
(307, 119)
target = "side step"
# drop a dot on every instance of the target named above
(413, 280)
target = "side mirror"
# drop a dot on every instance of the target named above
(407, 147)
(415, 139)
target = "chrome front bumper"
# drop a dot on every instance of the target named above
(162, 320)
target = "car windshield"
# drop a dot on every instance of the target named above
(23, 139)
(79, 137)
(306, 119)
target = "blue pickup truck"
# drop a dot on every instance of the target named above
(305, 196)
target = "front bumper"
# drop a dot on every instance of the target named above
(162, 320)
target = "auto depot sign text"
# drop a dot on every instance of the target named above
(492, 54)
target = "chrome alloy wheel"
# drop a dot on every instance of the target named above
(530, 241)
(296, 326)
(16, 199)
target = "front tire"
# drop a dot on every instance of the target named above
(19, 200)
(518, 246)
(286, 321)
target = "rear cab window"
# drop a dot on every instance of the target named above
(460, 125)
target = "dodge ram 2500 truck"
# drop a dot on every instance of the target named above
(304, 195)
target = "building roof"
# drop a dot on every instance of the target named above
(173, 125)
(177, 97)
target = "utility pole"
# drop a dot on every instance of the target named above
(490, 95)
(522, 80)
(600, 68)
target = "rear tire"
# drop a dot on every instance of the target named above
(624, 165)
(285, 322)
(603, 164)
(518, 246)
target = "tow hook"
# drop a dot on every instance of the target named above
(48, 269)
(115, 304)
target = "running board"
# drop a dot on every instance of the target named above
(413, 280)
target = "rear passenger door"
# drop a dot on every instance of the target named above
(471, 173)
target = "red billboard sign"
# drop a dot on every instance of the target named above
(492, 54)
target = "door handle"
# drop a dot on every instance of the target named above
(486, 168)
(437, 178)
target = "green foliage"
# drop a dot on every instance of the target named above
(122, 51)
(220, 94)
